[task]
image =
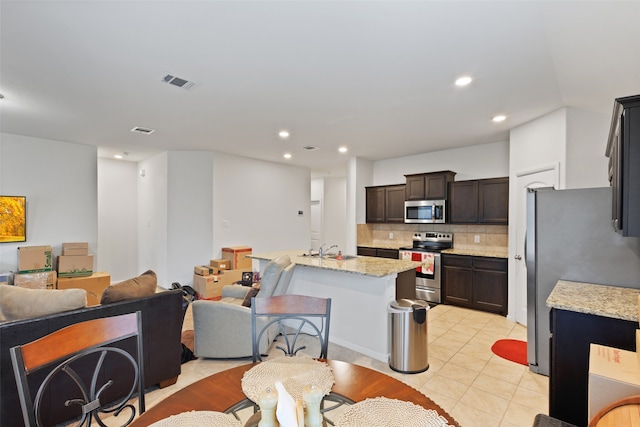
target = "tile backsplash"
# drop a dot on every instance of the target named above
(492, 237)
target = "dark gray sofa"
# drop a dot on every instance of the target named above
(162, 316)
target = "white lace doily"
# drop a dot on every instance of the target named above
(385, 412)
(199, 419)
(293, 372)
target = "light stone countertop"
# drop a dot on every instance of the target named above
(601, 300)
(364, 265)
(492, 253)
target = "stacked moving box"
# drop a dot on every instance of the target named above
(208, 280)
(35, 268)
(75, 260)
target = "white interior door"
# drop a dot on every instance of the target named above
(316, 224)
(547, 177)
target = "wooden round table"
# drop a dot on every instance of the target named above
(221, 391)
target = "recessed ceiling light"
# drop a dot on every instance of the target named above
(342, 149)
(463, 81)
(118, 156)
(499, 118)
(287, 155)
(284, 134)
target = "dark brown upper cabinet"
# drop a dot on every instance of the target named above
(385, 204)
(482, 201)
(428, 186)
(623, 150)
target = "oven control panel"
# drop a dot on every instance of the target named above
(431, 236)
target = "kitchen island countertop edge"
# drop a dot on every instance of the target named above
(363, 265)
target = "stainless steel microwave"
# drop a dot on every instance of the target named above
(424, 211)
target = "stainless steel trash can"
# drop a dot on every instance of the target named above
(408, 336)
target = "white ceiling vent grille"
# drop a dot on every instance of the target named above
(177, 81)
(144, 131)
(310, 148)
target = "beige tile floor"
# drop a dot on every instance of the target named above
(476, 387)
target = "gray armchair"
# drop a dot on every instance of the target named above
(222, 329)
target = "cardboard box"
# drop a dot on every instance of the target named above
(75, 266)
(205, 270)
(229, 277)
(237, 256)
(94, 285)
(220, 264)
(207, 287)
(33, 259)
(75, 249)
(41, 280)
(613, 375)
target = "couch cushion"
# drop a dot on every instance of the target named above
(271, 275)
(23, 303)
(137, 287)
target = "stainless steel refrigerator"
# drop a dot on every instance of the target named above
(569, 236)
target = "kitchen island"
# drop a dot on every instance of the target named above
(360, 289)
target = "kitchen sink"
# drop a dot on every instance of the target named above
(344, 257)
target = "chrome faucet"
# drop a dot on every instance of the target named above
(326, 252)
(320, 251)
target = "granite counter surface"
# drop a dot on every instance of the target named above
(601, 300)
(364, 265)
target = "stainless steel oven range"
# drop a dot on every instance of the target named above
(426, 249)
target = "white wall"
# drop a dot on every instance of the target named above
(189, 213)
(256, 203)
(587, 134)
(359, 176)
(476, 162)
(152, 217)
(175, 210)
(539, 143)
(59, 180)
(334, 213)
(117, 219)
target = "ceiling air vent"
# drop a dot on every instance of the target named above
(144, 131)
(310, 148)
(177, 81)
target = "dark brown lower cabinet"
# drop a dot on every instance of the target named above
(378, 252)
(367, 251)
(475, 282)
(571, 334)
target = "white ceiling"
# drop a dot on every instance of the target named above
(375, 76)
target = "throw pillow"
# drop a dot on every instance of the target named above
(247, 298)
(137, 287)
(23, 303)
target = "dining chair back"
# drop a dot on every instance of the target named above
(294, 315)
(60, 349)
